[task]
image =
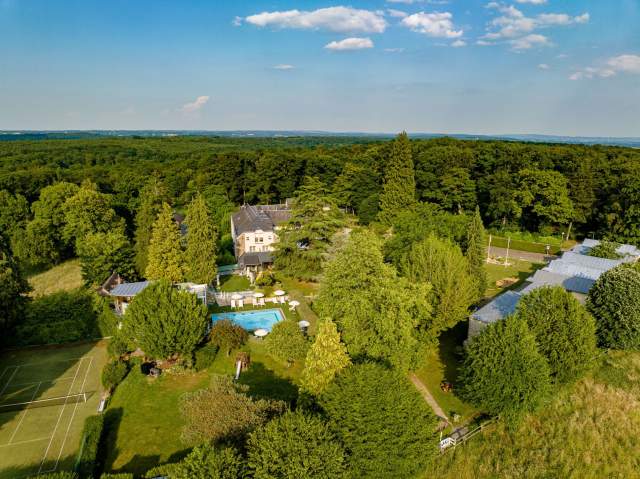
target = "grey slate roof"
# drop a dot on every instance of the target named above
(255, 259)
(574, 284)
(590, 261)
(623, 249)
(129, 289)
(261, 217)
(501, 307)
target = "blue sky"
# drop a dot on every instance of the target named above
(568, 67)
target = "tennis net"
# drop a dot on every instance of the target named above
(48, 402)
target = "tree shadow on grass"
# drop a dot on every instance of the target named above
(31, 470)
(449, 349)
(108, 450)
(265, 384)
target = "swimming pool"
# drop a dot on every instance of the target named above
(252, 320)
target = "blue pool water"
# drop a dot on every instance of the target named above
(252, 320)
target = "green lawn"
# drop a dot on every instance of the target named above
(63, 277)
(442, 365)
(233, 282)
(144, 416)
(46, 438)
(518, 269)
(587, 431)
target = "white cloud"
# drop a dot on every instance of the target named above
(336, 19)
(533, 2)
(614, 65)
(195, 105)
(544, 66)
(396, 13)
(625, 63)
(283, 66)
(437, 24)
(237, 21)
(519, 31)
(459, 43)
(353, 43)
(484, 43)
(394, 50)
(405, 2)
(529, 41)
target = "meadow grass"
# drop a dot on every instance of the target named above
(63, 277)
(588, 430)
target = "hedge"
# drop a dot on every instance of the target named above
(64, 317)
(113, 373)
(88, 465)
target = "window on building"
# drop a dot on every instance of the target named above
(252, 249)
(258, 239)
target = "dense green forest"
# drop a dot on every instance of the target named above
(521, 186)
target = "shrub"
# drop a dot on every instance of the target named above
(122, 475)
(295, 446)
(387, 428)
(286, 341)
(118, 345)
(113, 373)
(205, 356)
(503, 372)
(107, 320)
(227, 336)
(265, 278)
(223, 412)
(58, 318)
(166, 470)
(614, 300)
(564, 330)
(89, 461)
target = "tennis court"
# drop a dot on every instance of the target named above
(45, 396)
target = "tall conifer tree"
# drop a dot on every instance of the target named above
(200, 254)
(399, 188)
(327, 356)
(166, 259)
(151, 197)
(476, 250)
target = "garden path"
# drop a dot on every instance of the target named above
(428, 397)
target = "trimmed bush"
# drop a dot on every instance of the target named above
(503, 372)
(88, 462)
(614, 301)
(118, 346)
(165, 470)
(205, 356)
(564, 330)
(113, 373)
(210, 462)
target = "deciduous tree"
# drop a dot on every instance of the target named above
(614, 300)
(227, 336)
(564, 330)
(476, 251)
(286, 341)
(104, 253)
(224, 412)
(444, 267)
(503, 371)
(12, 293)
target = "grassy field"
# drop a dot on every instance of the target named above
(144, 413)
(39, 439)
(591, 430)
(63, 277)
(519, 270)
